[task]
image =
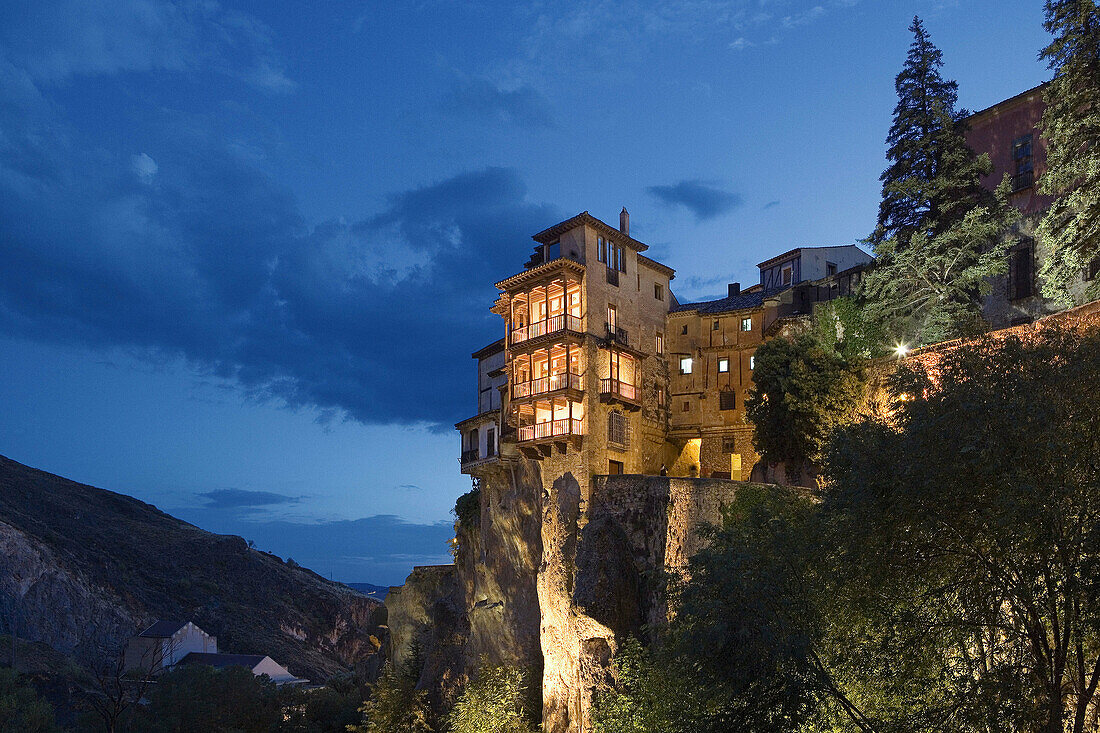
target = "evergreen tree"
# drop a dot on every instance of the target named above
(939, 232)
(1071, 125)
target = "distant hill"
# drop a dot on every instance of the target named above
(377, 592)
(85, 568)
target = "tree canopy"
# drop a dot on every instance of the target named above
(1070, 229)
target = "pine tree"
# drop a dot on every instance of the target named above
(1070, 230)
(938, 237)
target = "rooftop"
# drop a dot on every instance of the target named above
(796, 250)
(163, 629)
(732, 303)
(547, 236)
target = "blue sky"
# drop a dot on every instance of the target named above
(246, 249)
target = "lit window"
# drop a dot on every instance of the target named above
(723, 366)
(746, 323)
(752, 362)
(612, 321)
(685, 365)
(658, 291)
(660, 345)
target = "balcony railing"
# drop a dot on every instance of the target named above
(618, 335)
(549, 383)
(469, 456)
(560, 322)
(551, 429)
(1022, 180)
(619, 388)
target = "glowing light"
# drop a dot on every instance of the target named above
(901, 350)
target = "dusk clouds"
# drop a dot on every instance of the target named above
(701, 198)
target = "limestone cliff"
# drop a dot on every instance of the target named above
(560, 569)
(84, 569)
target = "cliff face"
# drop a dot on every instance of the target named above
(84, 569)
(561, 570)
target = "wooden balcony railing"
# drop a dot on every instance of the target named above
(549, 383)
(619, 388)
(552, 429)
(469, 456)
(553, 324)
(617, 335)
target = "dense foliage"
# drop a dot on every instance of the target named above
(947, 578)
(395, 706)
(495, 701)
(939, 234)
(21, 709)
(468, 509)
(801, 391)
(1071, 126)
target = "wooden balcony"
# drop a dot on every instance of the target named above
(548, 384)
(539, 440)
(615, 390)
(473, 458)
(547, 327)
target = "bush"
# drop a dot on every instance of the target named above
(21, 710)
(468, 509)
(495, 701)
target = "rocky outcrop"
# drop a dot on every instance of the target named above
(83, 569)
(561, 570)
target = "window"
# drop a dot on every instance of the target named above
(614, 468)
(788, 275)
(830, 269)
(685, 365)
(1092, 269)
(601, 249)
(746, 323)
(490, 442)
(714, 326)
(752, 362)
(1021, 155)
(729, 444)
(553, 251)
(659, 346)
(616, 428)
(612, 321)
(661, 397)
(723, 366)
(658, 291)
(727, 400)
(687, 406)
(684, 330)
(1021, 271)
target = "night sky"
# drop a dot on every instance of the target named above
(246, 249)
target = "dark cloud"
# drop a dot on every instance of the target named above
(188, 249)
(242, 498)
(523, 106)
(699, 197)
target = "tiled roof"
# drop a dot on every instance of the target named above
(163, 629)
(221, 661)
(737, 302)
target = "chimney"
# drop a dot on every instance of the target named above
(734, 289)
(624, 222)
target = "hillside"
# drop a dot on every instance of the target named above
(86, 568)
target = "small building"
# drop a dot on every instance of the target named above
(810, 263)
(258, 664)
(164, 644)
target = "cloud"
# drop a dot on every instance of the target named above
(242, 498)
(523, 106)
(369, 317)
(770, 205)
(144, 167)
(699, 197)
(804, 18)
(55, 40)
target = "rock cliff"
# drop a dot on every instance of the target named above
(83, 569)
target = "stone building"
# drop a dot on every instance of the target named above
(603, 389)
(1009, 133)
